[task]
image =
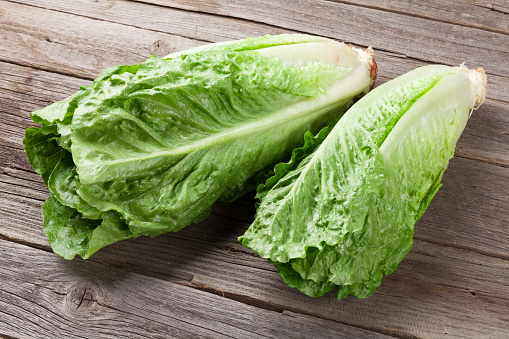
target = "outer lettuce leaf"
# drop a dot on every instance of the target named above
(72, 225)
(70, 234)
(62, 181)
(146, 149)
(147, 144)
(344, 216)
(42, 150)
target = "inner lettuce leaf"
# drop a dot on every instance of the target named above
(147, 149)
(340, 215)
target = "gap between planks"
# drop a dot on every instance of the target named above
(110, 21)
(480, 159)
(5, 336)
(285, 310)
(70, 74)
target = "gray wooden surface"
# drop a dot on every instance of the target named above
(200, 282)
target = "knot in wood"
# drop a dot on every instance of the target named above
(161, 47)
(84, 297)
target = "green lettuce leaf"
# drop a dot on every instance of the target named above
(67, 218)
(147, 149)
(42, 150)
(344, 215)
(70, 234)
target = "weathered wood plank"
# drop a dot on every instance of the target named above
(198, 26)
(213, 28)
(415, 300)
(469, 211)
(481, 15)
(436, 289)
(24, 90)
(432, 41)
(77, 45)
(481, 140)
(44, 296)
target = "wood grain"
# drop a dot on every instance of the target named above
(49, 297)
(477, 14)
(77, 45)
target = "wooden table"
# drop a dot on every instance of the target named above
(201, 282)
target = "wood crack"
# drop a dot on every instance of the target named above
(5, 336)
(26, 243)
(476, 293)
(23, 186)
(25, 118)
(35, 303)
(17, 168)
(460, 154)
(494, 8)
(12, 147)
(74, 75)
(22, 196)
(461, 247)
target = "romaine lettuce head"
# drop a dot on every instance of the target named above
(341, 213)
(147, 149)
